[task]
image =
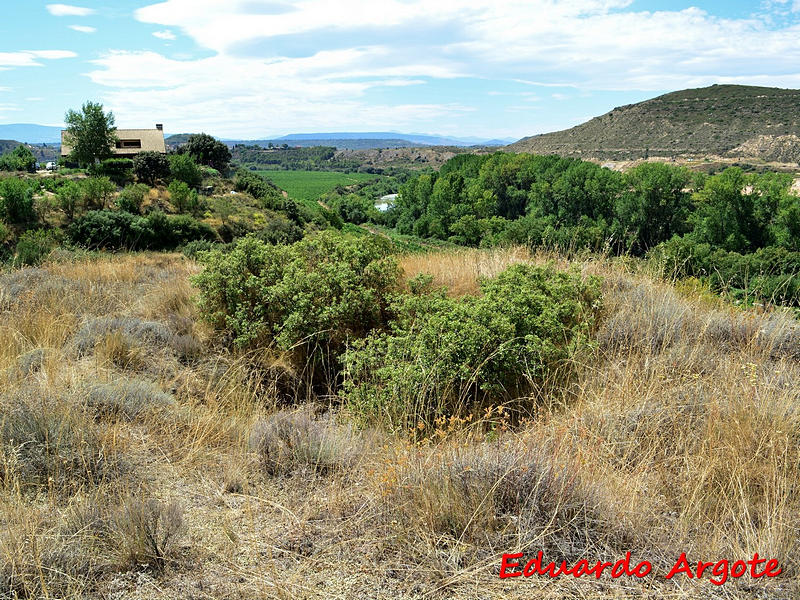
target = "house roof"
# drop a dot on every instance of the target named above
(152, 140)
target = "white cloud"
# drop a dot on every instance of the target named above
(68, 10)
(83, 28)
(29, 58)
(164, 35)
(291, 65)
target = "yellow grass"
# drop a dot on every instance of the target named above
(680, 434)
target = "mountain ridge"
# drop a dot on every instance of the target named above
(719, 120)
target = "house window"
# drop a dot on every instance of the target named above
(129, 143)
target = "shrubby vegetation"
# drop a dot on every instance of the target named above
(446, 356)
(308, 299)
(333, 303)
(114, 230)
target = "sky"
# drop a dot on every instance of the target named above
(489, 68)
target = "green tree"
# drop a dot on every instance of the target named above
(16, 201)
(208, 151)
(183, 168)
(150, 167)
(655, 204)
(90, 133)
(19, 159)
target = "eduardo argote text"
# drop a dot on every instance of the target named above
(717, 572)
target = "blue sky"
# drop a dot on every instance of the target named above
(263, 68)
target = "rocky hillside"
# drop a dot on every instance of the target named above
(720, 120)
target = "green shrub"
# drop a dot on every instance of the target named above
(118, 170)
(309, 298)
(183, 168)
(182, 198)
(114, 230)
(34, 245)
(70, 196)
(131, 198)
(260, 188)
(446, 356)
(16, 201)
(97, 192)
(19, 159)
(150, 167)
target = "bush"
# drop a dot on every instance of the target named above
(97, 191)
(16, 201)
(46, 443)
(131, 198)
(33, 246)
(115, 230)
(446, 356)
(208, 151)
(260, 188)
(146, 533)
(118, 170)
(309, 298)
(150, 167)
(127, 399)
(183, 168)
(70, 196)
(182, 198)
(19, 159)
(287, 441)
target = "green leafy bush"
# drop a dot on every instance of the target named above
(16, 201)
(309, 298)
(116, 230)
(131, 198)
(444, 356)
(19, 159)
(150, 167)
(183, 168)
(97, 191)
(70, 196)
(182, 198)
(34, 245)
(118, 170)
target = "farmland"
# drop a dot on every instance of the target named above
(310, 185)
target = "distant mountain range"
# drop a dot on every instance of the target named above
(734, 121)
(42, 134)
(31, 134)
(357, 140)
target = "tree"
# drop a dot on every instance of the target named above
(90, 133)
(183, 168)
(208, 151)
(19, 159)
(149, 167)
(655, 204)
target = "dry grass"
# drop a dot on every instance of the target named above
(140, 461)
(460, 270)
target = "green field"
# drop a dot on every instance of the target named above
(307, 186)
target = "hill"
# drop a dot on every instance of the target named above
(31, 134)
(721, 120)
